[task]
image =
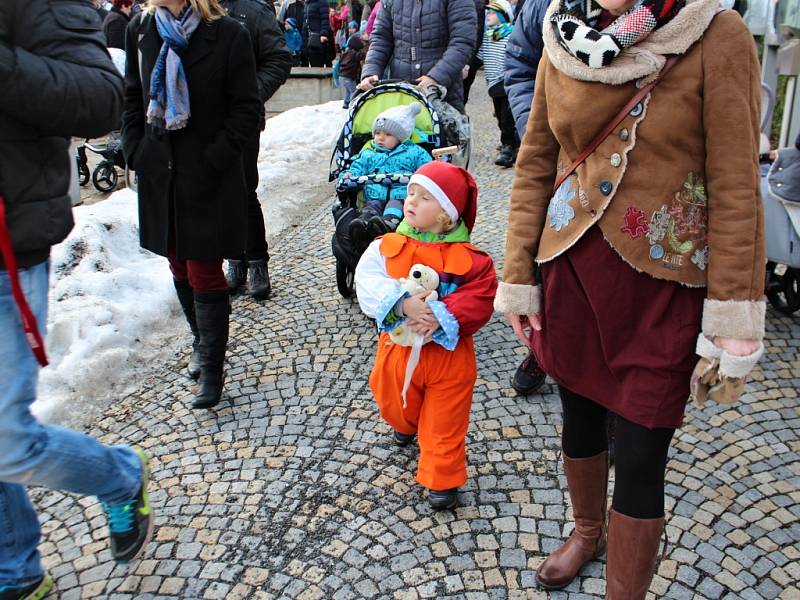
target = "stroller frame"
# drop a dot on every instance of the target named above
(351, 140)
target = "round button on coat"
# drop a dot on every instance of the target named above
(606, 187)
(624, 135)
(616, 160)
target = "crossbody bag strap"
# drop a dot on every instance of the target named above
(29, 324)
(612, 125)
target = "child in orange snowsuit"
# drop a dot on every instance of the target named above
(439, 214)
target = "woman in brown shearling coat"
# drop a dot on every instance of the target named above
(656, 237)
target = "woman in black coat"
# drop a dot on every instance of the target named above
(187, 155)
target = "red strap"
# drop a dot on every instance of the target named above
(28, 320)
(612, 125)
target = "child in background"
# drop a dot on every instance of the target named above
(492, 53)
(391, 152)
(439, 213)
(353, 55)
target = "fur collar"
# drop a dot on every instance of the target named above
(643, 59)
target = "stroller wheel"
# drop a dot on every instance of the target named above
(783, 291)
(105, 177)
(344, 279)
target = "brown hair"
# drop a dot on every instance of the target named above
(209, 10)
(120, 4)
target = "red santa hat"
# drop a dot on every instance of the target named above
(453, 187)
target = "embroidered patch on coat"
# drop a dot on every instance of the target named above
(635, 223)
(560, 211)
(700, 258)
(682, 226)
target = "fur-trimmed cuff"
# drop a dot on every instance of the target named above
(739, 319)
(730, 365)
(518, 299)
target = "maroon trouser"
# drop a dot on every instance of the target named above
(203, 275)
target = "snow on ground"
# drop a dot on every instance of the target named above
(113, 312)
(295, 155)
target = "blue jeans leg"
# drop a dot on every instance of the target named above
(32, 453)
(349, 86)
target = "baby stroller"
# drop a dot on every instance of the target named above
(105, 176)
(439, 129)
(780, 191)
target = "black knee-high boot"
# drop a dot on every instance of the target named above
(186, 298)
(213, 310)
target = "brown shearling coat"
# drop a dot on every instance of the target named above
(674, 189)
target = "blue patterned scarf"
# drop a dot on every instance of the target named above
(169, 93)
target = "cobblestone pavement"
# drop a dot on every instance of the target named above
(296, 491)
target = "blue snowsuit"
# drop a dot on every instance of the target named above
(405, 158)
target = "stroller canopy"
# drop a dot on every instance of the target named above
(366, 108)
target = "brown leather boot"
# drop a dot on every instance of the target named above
(587, 479)
(632, 552)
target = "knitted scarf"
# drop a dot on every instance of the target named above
(575, 20)
(503, 30)
(169, 93)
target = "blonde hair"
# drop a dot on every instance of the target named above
(445, 221)
(209, 10)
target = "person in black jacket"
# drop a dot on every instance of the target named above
(474, 62)
(116, 22)
(273, 64)
(316, 30)
(186, 148)
(49, 50)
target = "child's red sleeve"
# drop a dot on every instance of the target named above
(472, 303)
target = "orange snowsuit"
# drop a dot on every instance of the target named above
(439, 397)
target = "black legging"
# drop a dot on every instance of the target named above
(640, 454)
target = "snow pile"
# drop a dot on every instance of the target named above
(294, 159)
(113, 314)
(112, 305)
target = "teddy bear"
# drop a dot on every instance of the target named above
(421, 278)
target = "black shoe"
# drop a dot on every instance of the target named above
(35, 591)
(378, 226)
(529, 376)
(506, 157)
(444, 499)
(236, 275)
(359, 228)
(186, 298)
(213, 310)
(131, 524)
(258, 284)
(402, 439)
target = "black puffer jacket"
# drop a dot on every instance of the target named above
(273, 59)
(57, 81)
(424, 37)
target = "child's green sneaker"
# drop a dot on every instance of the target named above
(35, 591)
(131, 524)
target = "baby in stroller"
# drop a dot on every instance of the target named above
(392, 153)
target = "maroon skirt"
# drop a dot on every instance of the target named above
(619, 337)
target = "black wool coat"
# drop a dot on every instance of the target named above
(191, 181)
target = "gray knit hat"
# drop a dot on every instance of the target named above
(398, 121)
